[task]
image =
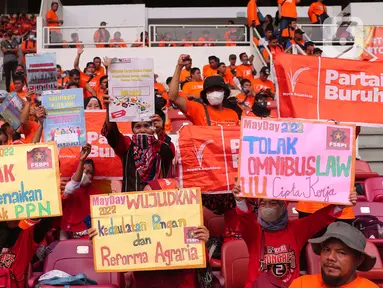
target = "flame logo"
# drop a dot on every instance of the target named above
(294, 77)
(199, 152)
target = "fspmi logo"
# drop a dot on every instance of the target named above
(338, 138)
(199, 152)
(293, 77)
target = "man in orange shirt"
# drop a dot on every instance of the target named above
(202, 41)
(100, 71)
(317, 12)
(288, 33)
(287, 12)
(228, 78)
(233, 64)
(211, 111)
(262, 83)
(193, 88)
(252, 17)
(309, 48)
(61, 81)
(188, 38)
(53, 21)
(141, 40)
(298, 40)
(117, 41)
(159, 87)
(29, 46)
(246, 98)
(166, 41)
(317, 52)
(87, 78)
(211, 68)
(19, 83)
(186, 74)
(75, 43)
(246, 70)
(274, 47)
(342, 253)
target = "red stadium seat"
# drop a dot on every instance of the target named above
(178, 120)
(293, 213)
(363, 171)
(235, 259)
(214, 223)
(369, 208)
(74, 257)
(375, 275)
(373, 188)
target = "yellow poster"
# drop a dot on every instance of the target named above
(29, 181)
(150, 230)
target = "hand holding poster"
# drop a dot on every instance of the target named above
(10, 112)
(21, 196)
(131, 85)
(147, 230)
(41, 72)
(65, 122)
(297, 160)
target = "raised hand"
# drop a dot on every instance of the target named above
(85, 151)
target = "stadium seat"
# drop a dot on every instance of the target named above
(375, 275)
(214, 223)
(293, 213)
(74, 257)
(362, 166)
(363, 171)
(235, 259)
(178, 120)
(369, 208)
(373, 188)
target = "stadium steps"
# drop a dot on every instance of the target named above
(370, 147)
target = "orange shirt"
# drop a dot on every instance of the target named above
(229, 78)
(117, 43)
(100, 36)
(258, 85)
(315, 281)
(160, 87)
(302, 42)
(208, 71)
(188, 44)
(94, 83)
(230, 43)
(193, 88)
(273, 50)
(52, 16)
(184, 74)
(288, 33)
(311, 207)
(27, 45)
(62, 82)
(316, 9)
(29, 131)
(197, 115)
(289, 8)
(164, 43)
(12, 87)
(245, 72)
(252, 13)
(202, 40)
(100, 71)
(248, 101)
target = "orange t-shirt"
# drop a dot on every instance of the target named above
(289, 8)
(118, 43)
(311, 207)
(164, 43)
(184, 74)
(94, 83)
(12, 87)
(160, 87)
(230, 43)
(315, 281)
(201, 41)
(193, 88)
(197, 115)
(62, 82)
(52, 16)
(258, 85)
(207, 71)
(100, 71)
(29, 131)
(27, 45)
(229, 78)
(316, 9)
(188, 44)
(288, 33)
(252, 13)
(249, 101)
(274, 51)
(245, 72)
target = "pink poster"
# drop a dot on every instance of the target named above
(297, 160)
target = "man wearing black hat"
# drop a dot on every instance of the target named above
(298, 39)
(211, 111)
(317, 52)
(341, 251)
(309, 48)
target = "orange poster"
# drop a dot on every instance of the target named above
(108, 165)
(330, 89)
(208, 157)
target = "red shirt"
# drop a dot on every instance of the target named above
(19, 256)
(282, 248)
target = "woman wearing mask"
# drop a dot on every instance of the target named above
(19, 72)
(9, 47)
(274, 242)
(88, 76)
(103, 89)
(76, 198)
(92, 103)
(212, 111)
(147, 156)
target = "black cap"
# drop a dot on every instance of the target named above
(214, 81)
(265, 70)
(317, 50)
(103, 23)
(309, 43)
(299, 31)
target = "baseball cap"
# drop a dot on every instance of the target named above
(351, 237)
(316, 50)
(299, 31)
(309, 43)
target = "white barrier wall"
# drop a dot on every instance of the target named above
(165, 58)
(368, 12)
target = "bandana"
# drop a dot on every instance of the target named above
(145, 156)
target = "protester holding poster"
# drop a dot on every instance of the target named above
(274, 242)
(214, 93)
(144, 157)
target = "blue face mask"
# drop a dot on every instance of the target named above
(246, 90)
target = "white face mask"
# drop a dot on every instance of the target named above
(85, 181)
(215, 98)
(269, 214)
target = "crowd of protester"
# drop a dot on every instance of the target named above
(220, 94)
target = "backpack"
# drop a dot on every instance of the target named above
(369, 225)
(78, 280)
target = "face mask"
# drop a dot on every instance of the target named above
(85, 181)
(215, 98)
(19, 73)
(143, 141)
(269, 214)
(89, 73)
(246, 90)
